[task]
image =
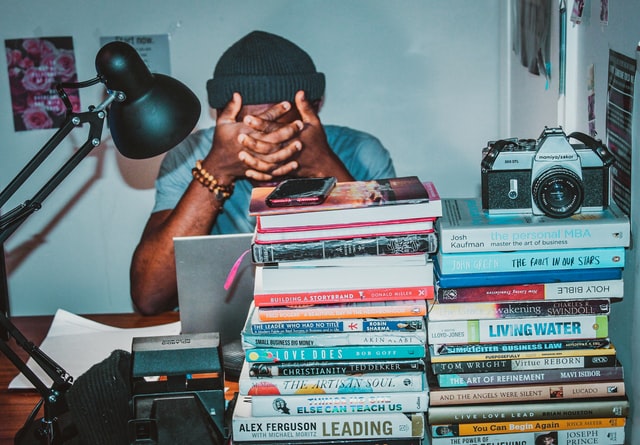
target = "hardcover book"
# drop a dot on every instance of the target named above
(594, 436)
(466, 311)
(505, 412)
(376, 352)
(353, 202)
(465, 227)
(345, 248)
(293, 429)
(339, 404)
(578, 290)
(387, 228)
(399, 308)
(530, 260)
(319, 368)
(525, 364)
(518, 329)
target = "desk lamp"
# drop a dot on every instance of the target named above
(148, 114)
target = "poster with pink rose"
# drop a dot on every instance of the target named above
(35, 66)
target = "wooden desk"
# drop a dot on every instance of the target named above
(16, 405)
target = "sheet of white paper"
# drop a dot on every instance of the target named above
(77, 343)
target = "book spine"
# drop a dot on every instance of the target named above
(592, 436)
(338, 404)
(465, 311)
(518, 329)
(534, 364)
(498, 348)
(502, 394)
(610, 350)
(345, 325)
(583, 290)
(376, 352)
(506, 412)
(534, 376)
(301, 369)
(313, 427)
(341, 248)
(279, 299)
(250, 341)
(333, 384)
(524, 426)
(410, 308)
(372, 441)
(533, 260)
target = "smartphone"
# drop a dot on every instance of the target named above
(301, 192)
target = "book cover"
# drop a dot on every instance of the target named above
(530, 260)
(250, 341)
(497, 348)
(522, 393)
(525, 426)
(517, 277)
(375, 352)
(465, 227)
(399, 308)
(525, 364)
(343, 296)
(387, 228)
(345, 248)
(579, 290)
(353, 202)
(472, 429)
(245, 426)
(275, 279)
(319, 368)
(518, 329)
(330, 384)
(339, 404)
(555, 375)
(507, 412)
(593, 436)
(466, 311)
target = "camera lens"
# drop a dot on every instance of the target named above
(558, 192)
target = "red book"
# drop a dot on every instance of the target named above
(354, 202)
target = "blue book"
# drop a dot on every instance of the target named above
(368, 352)
(530, 260)
(538, 276)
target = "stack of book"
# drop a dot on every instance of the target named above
(335, 340)
(518, 334)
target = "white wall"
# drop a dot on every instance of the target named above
(421, 75)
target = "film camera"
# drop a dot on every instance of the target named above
(548, 176)
(177, 385)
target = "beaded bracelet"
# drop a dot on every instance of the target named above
(221, 191)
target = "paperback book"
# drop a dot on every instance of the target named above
(339, 404)
(247, 427)
(387, 228)
(345, 248)
(372, 441)
(373, 352)
(570, 364)
(579, 290)
(525, 426)
(321, 368)
(399, 308)
(465, 227)
(518, 329)
(330, 384)
(556, 375)
(522, 393)
(498, 348)
(517, 277)
(352, 203)
(530, 260)
(592, 436)
(465, 311)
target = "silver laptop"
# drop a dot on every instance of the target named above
(203, 264)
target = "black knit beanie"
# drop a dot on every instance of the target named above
(264, 68)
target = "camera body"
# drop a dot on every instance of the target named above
(548, 176)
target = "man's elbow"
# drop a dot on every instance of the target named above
(149, 302)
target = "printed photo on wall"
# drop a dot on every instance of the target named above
(35, 66)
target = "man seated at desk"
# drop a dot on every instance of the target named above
(267, 95)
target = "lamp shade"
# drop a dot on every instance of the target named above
(158, 111)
